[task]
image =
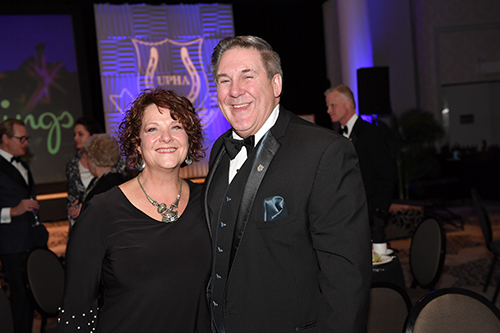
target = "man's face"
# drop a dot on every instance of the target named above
(13, 145)
(339, 107)
(246, 95)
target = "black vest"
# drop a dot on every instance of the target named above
(224, 202)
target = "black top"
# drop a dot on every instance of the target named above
(151, 275)
(103, 184)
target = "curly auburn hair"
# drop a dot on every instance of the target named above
(180, 109)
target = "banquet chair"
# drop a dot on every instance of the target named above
(454, 310)
(427, 253)
(45, 277)
(491, 245)
(6, 320)
(389, 307)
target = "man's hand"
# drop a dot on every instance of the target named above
(26, 205)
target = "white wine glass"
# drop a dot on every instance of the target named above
(37, 221)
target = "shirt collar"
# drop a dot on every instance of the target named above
(6, 155)
(271, 120)
(350, 124)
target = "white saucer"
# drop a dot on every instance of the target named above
(385, 260)
(387, 252)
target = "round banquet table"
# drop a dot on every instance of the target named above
(389, 272)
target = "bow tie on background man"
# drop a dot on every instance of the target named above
(15, 159)
(342, 130)
(233, 146)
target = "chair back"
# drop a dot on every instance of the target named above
(427, 252)
(454, 310)
(482, 215)
(45, 274)
(389, 307)
(6, 320)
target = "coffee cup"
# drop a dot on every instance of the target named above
(380, 248)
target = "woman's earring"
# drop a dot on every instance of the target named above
(188, 160)
(141, 165)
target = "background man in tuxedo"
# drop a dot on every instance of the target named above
(378, 167)
(287, 213)
(16, 189)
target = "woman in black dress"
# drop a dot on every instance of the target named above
(139, 258)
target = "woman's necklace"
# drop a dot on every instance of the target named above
(168, 214)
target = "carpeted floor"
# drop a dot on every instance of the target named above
(467, 260)
(58, 236)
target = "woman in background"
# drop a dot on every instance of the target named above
(78, 176)
(102, 156)
(139, 258)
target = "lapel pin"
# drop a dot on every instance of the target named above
(260, 168)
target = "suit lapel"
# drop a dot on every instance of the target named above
(263, 158)
(353, 137)
(31, 182)
(12, 172)
(214, 164)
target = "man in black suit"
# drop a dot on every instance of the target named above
(287, 213)
(16, 240)
(378, 167)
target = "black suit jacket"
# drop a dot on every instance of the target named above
(309, 269)
(378, 168)
(15, 237)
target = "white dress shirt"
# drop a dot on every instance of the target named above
(238, 161)
(350, 125)
(5, 214)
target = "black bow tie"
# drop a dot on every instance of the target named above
(342, 130)
(15, 159)
(233, 146)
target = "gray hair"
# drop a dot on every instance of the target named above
(270, 58)
(102, 150)
(344, 91)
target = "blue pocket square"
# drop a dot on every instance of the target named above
(274, 208)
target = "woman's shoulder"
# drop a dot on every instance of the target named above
(192, 184)
(107, 200)
(112, 195)
(194, 188)
(73, 161)
(104, 205)
(115, 178)
(101, 212)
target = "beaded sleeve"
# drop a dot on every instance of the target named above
(78, 322)
(84, 256)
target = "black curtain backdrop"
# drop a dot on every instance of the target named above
(295, 30)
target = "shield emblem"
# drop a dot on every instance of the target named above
(173, 65)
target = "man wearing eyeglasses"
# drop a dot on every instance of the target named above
(16, 240)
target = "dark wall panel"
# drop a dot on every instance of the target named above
(295, 30)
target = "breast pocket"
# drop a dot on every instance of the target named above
(276, 223)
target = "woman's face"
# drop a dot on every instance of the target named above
(81, 135)
(164, 142)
